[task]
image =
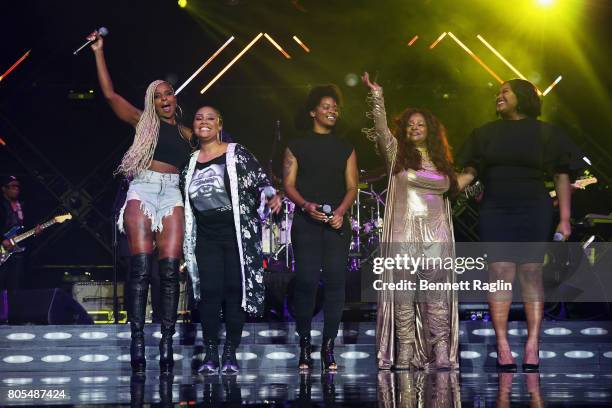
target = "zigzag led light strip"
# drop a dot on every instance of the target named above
(212, 57)
(236, 58)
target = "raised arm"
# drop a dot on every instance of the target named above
(385, 142)
(122, 108)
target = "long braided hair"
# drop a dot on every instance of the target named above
(140, 154)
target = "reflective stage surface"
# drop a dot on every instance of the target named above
(89, 366)
(289, 388)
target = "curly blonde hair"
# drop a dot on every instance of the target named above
(140, 154)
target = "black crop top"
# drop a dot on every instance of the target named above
(171, 147)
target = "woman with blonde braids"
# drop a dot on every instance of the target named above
(153, 210)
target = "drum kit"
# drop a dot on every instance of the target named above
(366, 219)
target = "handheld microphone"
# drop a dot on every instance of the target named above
(558, 237)
(103, 31)
(327, 210)
(269, 192)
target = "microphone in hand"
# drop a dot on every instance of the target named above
(327, 210)
(102, 31)
(558, 237)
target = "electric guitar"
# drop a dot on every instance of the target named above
(15, 239)
(579, 184)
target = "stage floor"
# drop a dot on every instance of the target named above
(289, 388)
(89, 365)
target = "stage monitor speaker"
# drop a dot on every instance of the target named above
(45, 306)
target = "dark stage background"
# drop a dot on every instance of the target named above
(63, 140)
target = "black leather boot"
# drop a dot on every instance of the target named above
(210, 365)
(328, 362)
(169, 298)
(230, 362)
(305, 353)
(138, 288)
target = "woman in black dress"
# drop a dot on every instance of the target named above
(512, 156)
(319, 174)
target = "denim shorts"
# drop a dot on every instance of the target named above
(158, 194)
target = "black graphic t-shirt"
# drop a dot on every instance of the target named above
(209, 193)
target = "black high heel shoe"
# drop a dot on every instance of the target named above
(169, 298)
(139, 278)
(211, 359)
(305, 362)
(328, 362)
(137, 354)
(531, 368)
(230, 362)
(166, 354)
(504, 368)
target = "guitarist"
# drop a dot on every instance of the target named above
(11, 215)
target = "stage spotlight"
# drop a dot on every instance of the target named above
(546, 3)
(351, 79)
(182, 3)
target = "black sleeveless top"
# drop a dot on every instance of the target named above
(171, 147)
(514, 156)
(321, 167)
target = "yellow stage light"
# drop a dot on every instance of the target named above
(416, 37)
(478, 60)
(297, 40)
(236, 58)
(505, 61)
(278, 47)
(552, 85)
(437, 41)
(208, 61)
(182, 3)
(546, 3)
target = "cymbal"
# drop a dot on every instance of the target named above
(372, 176)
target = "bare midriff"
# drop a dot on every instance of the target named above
(162, 167)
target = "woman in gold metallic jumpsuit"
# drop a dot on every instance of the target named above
(415, 328)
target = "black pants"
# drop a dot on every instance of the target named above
(220, 280)
(320, 252)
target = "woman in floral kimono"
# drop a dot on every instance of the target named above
(223, 186)
(415, 328)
